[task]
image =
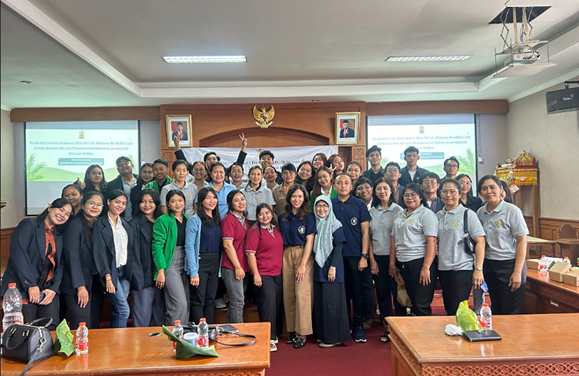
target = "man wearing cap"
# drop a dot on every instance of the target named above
(125, 182)
(374, 156)
(346, 132)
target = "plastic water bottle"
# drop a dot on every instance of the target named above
(203, 334)
(178, 332)
(566, 259)
(12, 307)
(543, 264)
(486, 317)
(82, 339)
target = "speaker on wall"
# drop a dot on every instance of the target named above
(562, 100)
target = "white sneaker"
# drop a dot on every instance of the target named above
(220, 303)
(272, 346)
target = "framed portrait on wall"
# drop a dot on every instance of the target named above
(347, 127)
(178, 126)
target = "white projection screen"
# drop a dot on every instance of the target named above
(438, 137)
(57, 153)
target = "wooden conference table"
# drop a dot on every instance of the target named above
(531, 345)
(131, 352)
(545, 296)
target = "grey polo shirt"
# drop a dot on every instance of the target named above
(189, 190)
(501, 226)
(410, 233)
(451, 253)
(381, 226)
(254, 198)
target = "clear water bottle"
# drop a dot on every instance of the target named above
(543, 264)
(566, 259)
(203, 334)
(178, 332)
(12, 306)
(486, 317)
(82, 339)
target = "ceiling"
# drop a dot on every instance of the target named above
(86, 53)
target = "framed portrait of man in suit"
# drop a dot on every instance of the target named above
(347, 128)
(178, 127)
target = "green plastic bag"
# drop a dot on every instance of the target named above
(64, 340)
(185, 349)
(466, 318)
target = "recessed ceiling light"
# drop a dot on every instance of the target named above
(204, 59)
(425, 58)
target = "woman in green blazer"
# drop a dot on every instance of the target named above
(169, 258)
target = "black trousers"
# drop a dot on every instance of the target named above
(358, 290)
(420, 295)
(497, 275)
(76, 315)
(96, 299)
(268, 298)
(33, 311)
(456, 285)
(386, 289)
(203, 296)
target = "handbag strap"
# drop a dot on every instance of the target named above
(34, 322)
(250, 342)
(465, 226)
(34, 356)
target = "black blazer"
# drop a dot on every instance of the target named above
(78, 259)
(349, 133)
(472, 202)
(104, 253)
(116, 183)
(143, 250)
(405, 179)
(27, 255)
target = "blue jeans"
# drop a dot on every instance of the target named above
(236, 290)
(121, 309)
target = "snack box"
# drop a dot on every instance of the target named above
(571, 278)
(533, 264)
(557, 271)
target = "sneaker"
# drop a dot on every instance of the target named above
(272, 346)
(367, 324)
(220, 303)
(276, 340)
(359, 335)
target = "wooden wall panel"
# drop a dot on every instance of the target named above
(295, 124)
(5, 246)
(438, 107)
(549, 226)
(20, 115)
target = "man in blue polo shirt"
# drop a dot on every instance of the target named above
(355, 218)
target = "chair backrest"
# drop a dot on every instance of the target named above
(567, 232)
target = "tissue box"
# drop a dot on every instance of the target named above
(571, 278)
(533, 264)
(556, 272)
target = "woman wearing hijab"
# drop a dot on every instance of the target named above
(330, 313)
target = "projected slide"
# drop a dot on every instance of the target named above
(57, 153)
(437, 138)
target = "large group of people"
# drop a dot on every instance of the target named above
(308, 244)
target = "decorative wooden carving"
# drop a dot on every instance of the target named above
(546, 368)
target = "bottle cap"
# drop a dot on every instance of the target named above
(177, 321)
(82, 323)
(543, 256)
(202, 320)
(485, 304)
(12, 285)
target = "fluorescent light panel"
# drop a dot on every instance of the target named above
(408, 59)
(204, 59)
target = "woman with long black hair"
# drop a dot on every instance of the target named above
(203, 248)
(169, 257)
(35, 263)
(94, 180)
(145, 177)
(147, 300)
(73, 193)
(78, 280)
(113, 257)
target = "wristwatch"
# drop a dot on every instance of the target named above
(365, 255)
(478, 268)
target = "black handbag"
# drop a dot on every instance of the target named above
(28, 343)
(469, 244)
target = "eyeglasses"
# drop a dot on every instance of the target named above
(410, 195)
(322, 206)
(429, 182)
(452, 192)
(452, 165)
(124, 164)
(93, 204)
(392, 171)
(464, 182)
